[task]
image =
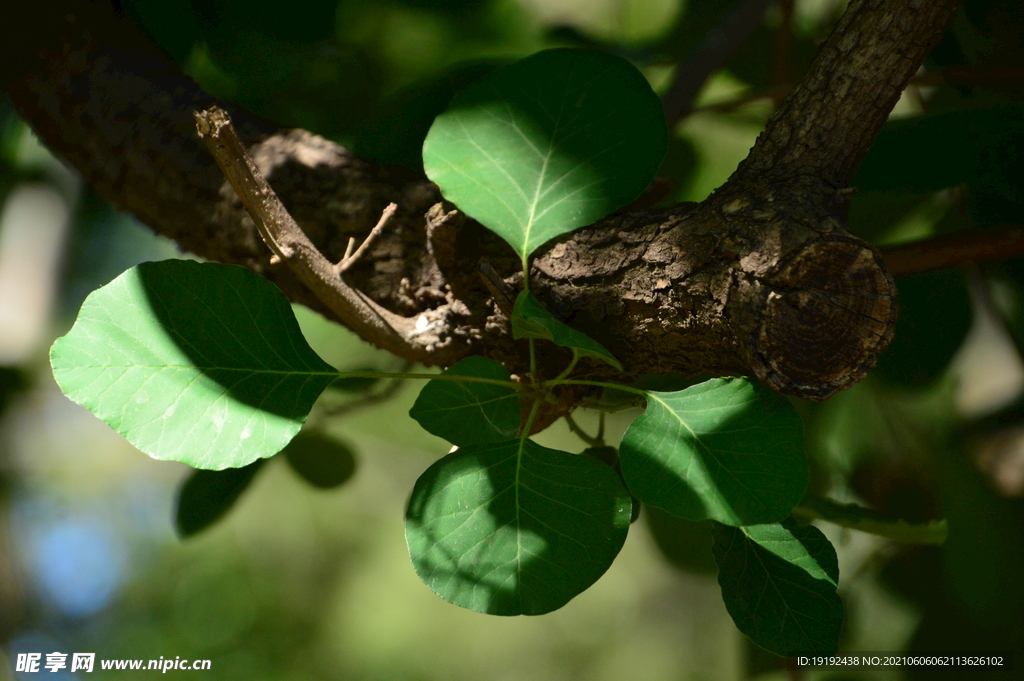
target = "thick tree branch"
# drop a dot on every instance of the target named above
(760, 279)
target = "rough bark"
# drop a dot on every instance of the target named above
(759, 279)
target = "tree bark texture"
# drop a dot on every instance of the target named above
(759, 279)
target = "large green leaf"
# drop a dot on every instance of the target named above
(779, 584)
(513, 528)
(531, 320)
(195, 362)
(726, 449)
(548, 144)
(466, 413)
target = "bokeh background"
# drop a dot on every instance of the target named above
(301, 583)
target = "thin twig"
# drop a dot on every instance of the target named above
(504, 297)
(368, 400)
(289, 243)
(976, 245)
(718, 45)
(350, 258)
(580, 433)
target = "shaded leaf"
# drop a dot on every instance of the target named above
(531, 320)
(320, 460)
(548, 144)
(779, 584)
(469, 413)
(726, 449)
(206, 496)
(194, 362)
(684, 543)
(935, 316)
(513, 528)
(857, 517)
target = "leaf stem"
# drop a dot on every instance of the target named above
(525, 432)
(533, 358)
(599, 384)
(572, 365)
(431, 377)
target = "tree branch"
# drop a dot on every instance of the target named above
(948, 250)
(290, 244)
(718, 45)
(760, 279)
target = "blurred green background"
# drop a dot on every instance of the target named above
(302, 583)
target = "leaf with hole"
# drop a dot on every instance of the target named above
(531, 320)
(206, 496)
(194, 362)
(469, 413)
(548, 144)
(320, 460)
(514, 528)
(779, 584)
(726, 449)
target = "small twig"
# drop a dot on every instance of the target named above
(580, 433)
(504, 297)
(976, 245)
(368, 400)
(350, 258)
(289, 243)
(707, 57)
(782, 49)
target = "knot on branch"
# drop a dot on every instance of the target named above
(827, 313)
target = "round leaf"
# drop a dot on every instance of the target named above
(548, 144)
(194, 362)
(726, 449)
(320, 460)
(513, 528)
(466, 413)
(779, 584)
(206, 496)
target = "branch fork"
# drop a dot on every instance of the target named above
(289, 244)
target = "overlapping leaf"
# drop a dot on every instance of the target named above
(548, 144)
(206, 496)
(195, 362)
(513, 528)
(531, 320)
(726, 449)
(320, 460)
(469, 413)
(779, 584)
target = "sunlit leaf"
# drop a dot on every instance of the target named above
(726, 449)
(513, 528)
(206, 496)
(195, 362)
(320, 460)
(548, 144)
(467, 413)
(779, 584)
(531, 320)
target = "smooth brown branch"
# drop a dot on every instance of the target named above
(289, 243)
(976, 245)
(351, 257)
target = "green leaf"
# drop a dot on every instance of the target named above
(206, 496)
(856, 517)
(548, 144)
(467, 413)
(726, 449)
(320, 460)
(935, 315)
(513, 528)
(194, 362)
(779, 584)
(531, 320)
